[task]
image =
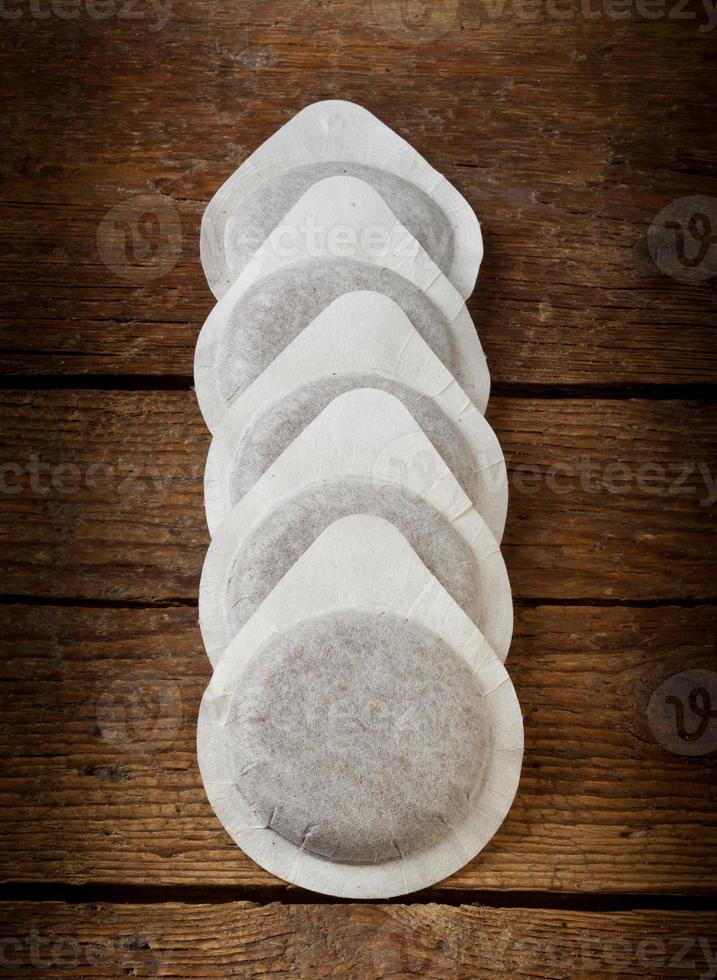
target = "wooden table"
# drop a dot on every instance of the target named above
(568, 125)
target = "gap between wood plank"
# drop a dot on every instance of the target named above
(162, 382)
(16, 599)
(222, 895)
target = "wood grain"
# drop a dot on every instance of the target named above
(100, 780)
(609, 499)
(567, 135)
(357, 942)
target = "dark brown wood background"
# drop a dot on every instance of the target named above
(568, 134)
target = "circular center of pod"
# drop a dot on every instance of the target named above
(359, 737)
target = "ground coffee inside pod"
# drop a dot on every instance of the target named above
(263, 209)
(269, 434)
(359, 737)
(291, 527)
(273, 311)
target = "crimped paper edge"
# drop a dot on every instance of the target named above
(433, 609)
(471, 368)
(319, 352)
(383, 149)
(335, 429)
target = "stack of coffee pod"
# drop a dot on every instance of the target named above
(360, 735)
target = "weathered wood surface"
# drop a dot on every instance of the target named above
(356, 942)
(566, 133)
(102, 496)
(567, 136)
(100, 782)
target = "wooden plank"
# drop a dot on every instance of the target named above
(305, 942)
(567, 135)
(100, 783)
(609, 499)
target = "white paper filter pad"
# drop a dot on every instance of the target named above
(363, 444)
(363, 339)
(341, 219)
(325, 139)
(360, 735)
(360, 563)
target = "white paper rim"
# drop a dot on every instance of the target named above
(334, 552)
(362, 332)
(336, 130)
(334, 447)
(343, 202)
